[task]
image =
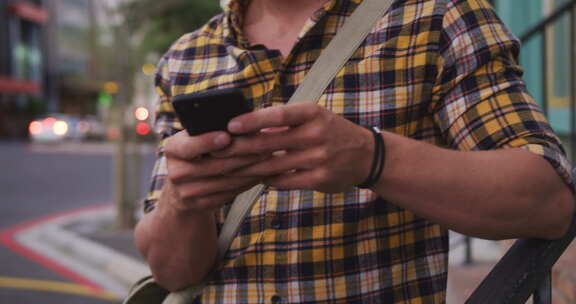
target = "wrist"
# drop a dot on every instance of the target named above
(365, 158)
(377, 159)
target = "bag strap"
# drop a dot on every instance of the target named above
(340, 49)
(322, 72)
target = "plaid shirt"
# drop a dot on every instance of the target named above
(440, 71)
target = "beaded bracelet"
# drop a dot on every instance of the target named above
(378, 160)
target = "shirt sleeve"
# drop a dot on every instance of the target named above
(481, 101)
(166, 125)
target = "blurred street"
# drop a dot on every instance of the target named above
(77, 112)
(40, 181)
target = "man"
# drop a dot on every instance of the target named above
(466, 148)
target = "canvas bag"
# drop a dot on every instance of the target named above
(332, 59)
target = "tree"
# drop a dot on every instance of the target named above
(141, 28)
(162, 22)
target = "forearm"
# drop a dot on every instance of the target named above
(503, 193)
(491, 194)
(179, 246)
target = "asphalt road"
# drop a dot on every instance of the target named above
(40, 181)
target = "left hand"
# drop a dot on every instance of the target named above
(314, 149)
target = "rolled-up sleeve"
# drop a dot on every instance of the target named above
(481, 100)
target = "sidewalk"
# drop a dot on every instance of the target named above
(463, 278)
(86, 243)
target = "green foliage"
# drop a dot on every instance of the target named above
(164, 21)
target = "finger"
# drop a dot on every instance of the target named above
(196, 190)
(289, 115)
(210, 202)
(297, 138)
(185, 147)
(217, 200)
(285, 162)
(260, 143)
(303, 180)
(181, 171)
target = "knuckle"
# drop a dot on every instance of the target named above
(321, 176)
(173, 173)
(176, 177)
(261, 145)
(329, 119)
(170, 148)
(190, 193)
(314, 135)
(182, 147)
(314, 109)
(173, 149)
(222, 171)
(204, 203)
(278, 114)
(321, 156)
(227, 166)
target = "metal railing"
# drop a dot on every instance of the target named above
(525, 269)
(459, 240)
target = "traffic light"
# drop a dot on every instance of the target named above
(143, 128)
(111, 87)
(105, 99)
(142, 114)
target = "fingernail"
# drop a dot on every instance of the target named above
(235, 126)
(221, 140)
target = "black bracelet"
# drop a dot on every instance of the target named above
(378, 160)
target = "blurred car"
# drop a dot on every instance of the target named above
(92, 128)
(60, 127)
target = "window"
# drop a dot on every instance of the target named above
(553, 92)
(26, 52)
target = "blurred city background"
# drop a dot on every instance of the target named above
(77, 146)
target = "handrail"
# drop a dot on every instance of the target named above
(521, 270)
(559, 12)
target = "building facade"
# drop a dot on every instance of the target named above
(23, 54)
(49, 61)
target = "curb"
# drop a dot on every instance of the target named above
(108, 268)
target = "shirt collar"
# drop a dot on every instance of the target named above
(234, 14)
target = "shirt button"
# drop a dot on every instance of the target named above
(276, 222)
(276, 299)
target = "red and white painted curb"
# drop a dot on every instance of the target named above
(46, 242)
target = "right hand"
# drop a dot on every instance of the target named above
(198, 181)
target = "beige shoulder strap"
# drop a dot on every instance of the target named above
(332, 59)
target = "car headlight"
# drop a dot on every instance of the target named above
(60, 128)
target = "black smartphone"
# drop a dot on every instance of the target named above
(210, 110)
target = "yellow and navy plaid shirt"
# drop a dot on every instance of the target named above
(440, 71)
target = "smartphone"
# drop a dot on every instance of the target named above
(210, 110)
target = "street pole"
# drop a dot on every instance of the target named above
(120, 193)
(127, 163)
(124, 206)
